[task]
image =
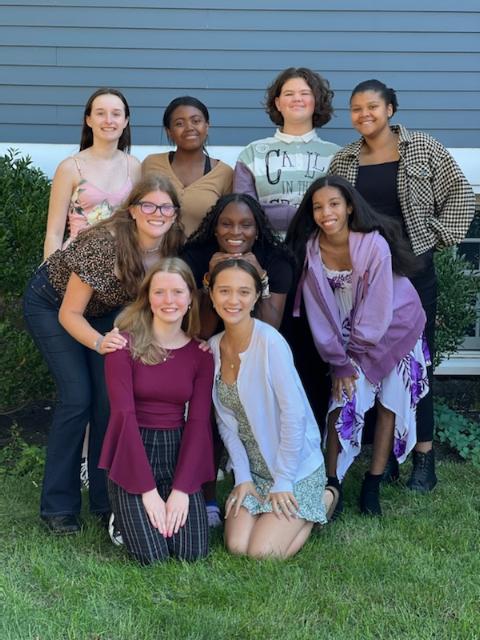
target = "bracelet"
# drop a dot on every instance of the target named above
(98, 343)
(206, 281)
(265, 287)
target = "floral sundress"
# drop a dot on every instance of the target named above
(400, 390)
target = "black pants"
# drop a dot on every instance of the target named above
(145, 543)
(425, 283)
(313, 371)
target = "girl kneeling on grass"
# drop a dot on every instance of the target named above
(157, 460)
(266, 424)
(366, 320)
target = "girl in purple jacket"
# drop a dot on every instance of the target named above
(367, 323)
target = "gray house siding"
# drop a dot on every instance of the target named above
(54, 54)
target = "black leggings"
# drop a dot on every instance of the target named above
(425, 283)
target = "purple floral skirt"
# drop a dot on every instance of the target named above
(400, 391)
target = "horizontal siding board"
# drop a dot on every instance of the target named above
(228, 136)
(469, 6)
(240, 98)
(342, 80)
(226, 118)
(182, 19)
(66, 95)
(265, 41)
(33, 56)
(248, 60)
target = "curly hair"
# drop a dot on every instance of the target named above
(320, 88)
(363, 219)
(86, 138)
(266, 239)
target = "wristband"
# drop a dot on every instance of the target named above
(98, 343)
(265, 287)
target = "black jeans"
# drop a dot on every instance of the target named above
(81, 399)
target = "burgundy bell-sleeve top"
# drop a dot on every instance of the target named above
(154, 397)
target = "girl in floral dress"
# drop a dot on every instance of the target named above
(367, 322)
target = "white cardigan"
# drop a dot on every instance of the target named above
(277, 409)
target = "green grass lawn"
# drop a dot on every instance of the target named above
(415, 573)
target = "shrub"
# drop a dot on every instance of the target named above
(458, 289)
(20, 459)
(458, 432)
(24, 193)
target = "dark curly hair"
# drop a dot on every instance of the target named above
(266, 239)
(320, 88)
(363, 219)
(387, 94)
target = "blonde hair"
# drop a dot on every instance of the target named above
(122, 226)
(137, 318)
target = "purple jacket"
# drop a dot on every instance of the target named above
(387, 315)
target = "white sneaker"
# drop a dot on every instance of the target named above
(114, 532)
(84, 472)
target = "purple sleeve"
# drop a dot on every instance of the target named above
(280, 214)
(123, 453)
(195, 461)
(244, 180)
(326, 339)
(374, 309)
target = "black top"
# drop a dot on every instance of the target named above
(377, 183)
(207, 167)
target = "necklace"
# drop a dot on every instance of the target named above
(151, 250)
(231, 355)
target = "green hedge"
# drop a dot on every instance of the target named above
(457, 299)
(24, 193)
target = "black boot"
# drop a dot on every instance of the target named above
(332, 481)
(370, 495)
(423, 478)
(392, 470)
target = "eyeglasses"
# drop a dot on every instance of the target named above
(149, 208)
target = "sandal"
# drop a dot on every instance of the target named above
(336, 498)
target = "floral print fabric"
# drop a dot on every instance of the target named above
(399, 391)
(308, 491)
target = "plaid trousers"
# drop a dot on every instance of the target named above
(142, 540)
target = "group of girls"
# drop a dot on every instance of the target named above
(143, 261)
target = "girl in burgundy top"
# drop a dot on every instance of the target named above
(158, 460)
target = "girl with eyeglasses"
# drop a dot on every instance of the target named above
(69, 308)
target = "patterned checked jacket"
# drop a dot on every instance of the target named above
(437, 202)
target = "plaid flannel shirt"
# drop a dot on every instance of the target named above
(437, 202)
